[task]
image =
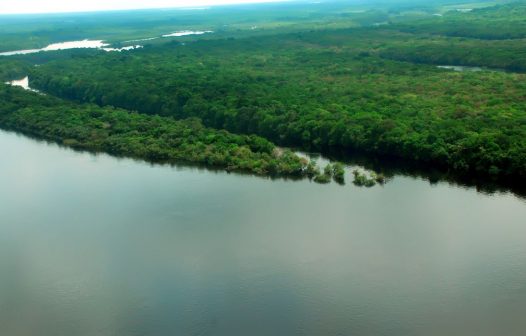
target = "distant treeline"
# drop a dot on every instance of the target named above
(506, 55)
(500, 22)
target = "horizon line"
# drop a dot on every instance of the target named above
(175, 7)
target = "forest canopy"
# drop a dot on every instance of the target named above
(388, 88)
(156, 139)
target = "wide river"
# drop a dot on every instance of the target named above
(94, 245)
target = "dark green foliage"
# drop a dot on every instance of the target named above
(500, 55)
(152, 138)
(338, 173)
(379, 178)
(13, 69)
(326, 176)
(328, 170)
(322, 179)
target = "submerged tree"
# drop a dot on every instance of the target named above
(338, 173)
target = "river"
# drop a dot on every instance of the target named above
(95, 245)
(463, 68)
(100, 44)
(84, 44)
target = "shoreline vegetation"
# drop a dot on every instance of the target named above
(151, 138)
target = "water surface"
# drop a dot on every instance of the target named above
(23, 83)
(463, 68)
(94, 245)
(84, 44)
(187, 33)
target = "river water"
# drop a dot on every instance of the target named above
(94, 245)
(100, 44)
(84, 44)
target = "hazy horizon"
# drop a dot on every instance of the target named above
(60, 6)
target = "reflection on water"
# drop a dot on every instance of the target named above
(462, 68)
(93, 245)
(23, 83)
(59, 46)
(99, 44)
(459, 68)
(75, 44)
(123, 48)
(390, 166)
(176, 34)
(187, 33)
(95, 44)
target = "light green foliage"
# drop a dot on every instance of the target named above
(361, 180)
(312, 169)
(326, 176)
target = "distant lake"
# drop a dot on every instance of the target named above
(187, 33)
(95, 245)
(23, 83)
(100, 44)
(462, 68)
(95, 44)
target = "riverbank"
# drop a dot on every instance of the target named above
(152, 138)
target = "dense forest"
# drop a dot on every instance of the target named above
(365, 88)
(507, 55)
(13, 69)
(155, 139)
(297, 92)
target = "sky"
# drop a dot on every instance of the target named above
(54, 6)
